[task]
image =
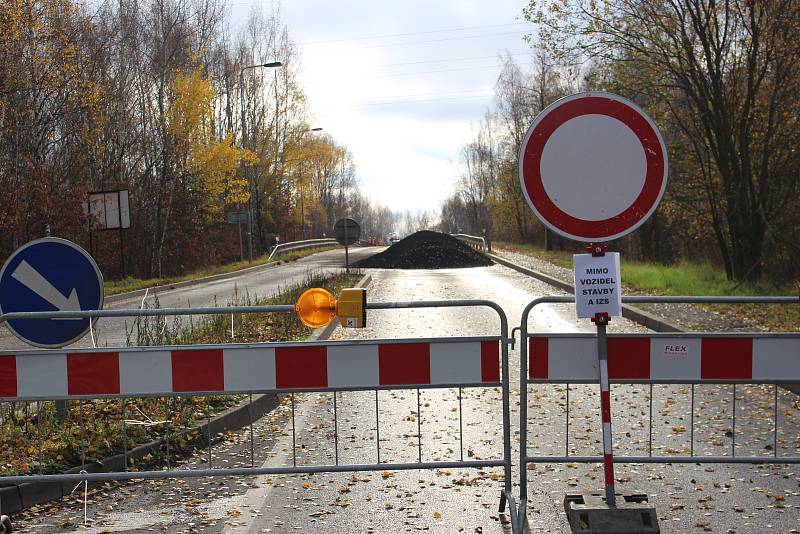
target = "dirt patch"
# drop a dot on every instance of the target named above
(427, 250)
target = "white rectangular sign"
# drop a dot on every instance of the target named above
(110, 209)
(597, 285)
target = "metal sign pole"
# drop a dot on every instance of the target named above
(249, 235)
(241, 246)
(121, 241)
(121, 252)
(601, 320)
(89, 222)
(346, 251)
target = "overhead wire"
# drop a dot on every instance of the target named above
(435, 93)
(408, 34)
(445, 60)
(427, 100)
(444, 39)
(441, 70)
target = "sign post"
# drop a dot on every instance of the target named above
(346, 231)
(593, 168)
(109, 210)
(50, 274)
(237, 218)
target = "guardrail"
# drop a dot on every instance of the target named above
(297, 245)
(476, 242)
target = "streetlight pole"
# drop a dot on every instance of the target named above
(271, 64)
(302, 201)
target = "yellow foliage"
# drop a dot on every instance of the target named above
(212, 162)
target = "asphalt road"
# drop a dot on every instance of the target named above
(689, 498)
(258, 283)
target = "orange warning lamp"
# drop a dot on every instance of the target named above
(315, 307)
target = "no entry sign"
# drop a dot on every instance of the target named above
(593, 166)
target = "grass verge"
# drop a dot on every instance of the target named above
(114, 287)
(33, 439)
(688, 278)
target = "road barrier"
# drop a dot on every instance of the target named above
(288, 368)
(247, 368)
(649, 359)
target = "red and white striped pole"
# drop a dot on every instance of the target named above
(601, 320)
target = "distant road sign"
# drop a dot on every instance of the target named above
(353, 231)
(593, 166)
(50, 274)
(237, 217)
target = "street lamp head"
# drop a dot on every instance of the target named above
(273, 64)
(315, 130)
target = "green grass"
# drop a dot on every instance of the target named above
(691, 279)
(684, 278)
(125, 285)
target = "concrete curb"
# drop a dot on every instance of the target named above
(633, 313)
(16, 498)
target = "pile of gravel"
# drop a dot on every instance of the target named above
(426, 250)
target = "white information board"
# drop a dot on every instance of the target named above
(597, 285)
(111, 209)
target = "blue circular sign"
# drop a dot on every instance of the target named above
(50, 274)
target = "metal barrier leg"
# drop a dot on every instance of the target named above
(523, 425)
(167, 417)
(504, 341)
(252, 434)
(5, 521)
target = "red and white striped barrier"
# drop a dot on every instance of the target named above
(563, 358)
(56, 374)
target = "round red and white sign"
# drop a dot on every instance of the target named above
(593, 166)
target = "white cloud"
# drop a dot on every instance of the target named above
(404, 151)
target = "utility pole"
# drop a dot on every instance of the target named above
(302, 200)
(244, 147)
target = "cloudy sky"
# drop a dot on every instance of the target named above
(401, 84)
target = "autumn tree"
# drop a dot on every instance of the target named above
(729, 73)
(49, 108)
(487, 183)
(150, 96)
(209, 165)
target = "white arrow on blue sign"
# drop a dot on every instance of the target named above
(50, 274)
